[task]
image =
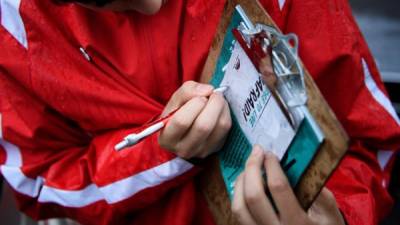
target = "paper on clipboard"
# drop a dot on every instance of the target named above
(257, 119)
(256, 111)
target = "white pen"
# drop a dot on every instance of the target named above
(134, 138)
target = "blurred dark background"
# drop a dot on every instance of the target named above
(380, 23)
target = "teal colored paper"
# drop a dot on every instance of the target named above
(301, 152)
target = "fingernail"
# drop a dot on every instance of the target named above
(257, 150)
(204, 88)
(204, 99)
(269, 154)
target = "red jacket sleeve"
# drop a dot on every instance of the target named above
(57, 169)
(360, 187)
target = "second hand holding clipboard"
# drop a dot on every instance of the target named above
(320, 141)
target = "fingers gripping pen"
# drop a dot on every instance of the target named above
(134, 138)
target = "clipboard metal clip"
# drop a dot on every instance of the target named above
(276, 57)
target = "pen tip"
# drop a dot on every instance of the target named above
(221, 89)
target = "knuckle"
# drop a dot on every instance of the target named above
(174, 100)
(218, 98)
(179, 123)
(301, 219)
(236, 209)
(202, 128)
(204, 154)
(188, 86)
(183, 154)
(330, 196)
(165, 143)
(251, 162)
(184, 91)
(201, 100)
(278, 185)
(161, 141)
(225, 124)
(304, 219)
(183, 150)
(189, 83)
(254, 196)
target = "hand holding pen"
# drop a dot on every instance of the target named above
(194, 123)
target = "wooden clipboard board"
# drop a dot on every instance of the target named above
(325, 160)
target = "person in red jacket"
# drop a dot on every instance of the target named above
(74, 81)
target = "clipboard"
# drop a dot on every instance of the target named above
(324, 161)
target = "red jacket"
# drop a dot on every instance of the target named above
(74, 82)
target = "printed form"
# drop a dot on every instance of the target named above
(253, 106)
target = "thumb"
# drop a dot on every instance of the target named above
(326, 200)
(324, 210)
(187, 91)
(267, 71)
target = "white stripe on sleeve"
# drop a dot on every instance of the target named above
(378, 95)
(111, 193)
(11, 20)
(281, 3)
